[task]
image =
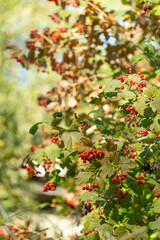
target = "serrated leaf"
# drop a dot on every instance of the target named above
(87, 196)
(155, 224)
(150, 91)
(80, 147)
(155, 105)
(140, 232)
(140, 104)
(107, 170)
(156, 206)
(156, 124)
(83, 177)
(156, 189)
(34, 128)
(93, 236)
(101, 184)
(69, 138)
(86, 141)
(127, 95)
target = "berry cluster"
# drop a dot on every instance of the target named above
(54, 140)
(146, 9)
(54, 19)
(90, 155)
(68, 3)
(140, 85)
(119, 193)
(133, 112)
(53, 0)
(130, 152)
(34, 34)
(90, 187)
(144, 132)
(157, 195)
(33, 148)
(46, 163)
(80, 27)
(119, 177)
(20, 60)
(49, 187)
(33, 46)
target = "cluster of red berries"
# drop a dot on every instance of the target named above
(54, 140)
(119, 177)
(42, 104)
(130, 69)
(34, 33)
(83, 125)
(146, 9)
(144, 133)
(129, 151)
(46, 162)
(151, 188)
(33, 46)
(54, 19)
(119, 193)
(68, 3)
(91, 187)
(49, 187)
(20, 60)
(33, 148)
(80, 27)
(91, 208)
(133, 112)
(140, 181)
(157, 195)
(90, 155)
(30, 169)
(56, 35)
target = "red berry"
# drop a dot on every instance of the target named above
(159, 21)
(122, 87)
(143, 12)
(119, 168)
(100, 87)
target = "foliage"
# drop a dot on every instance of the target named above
(112, 149)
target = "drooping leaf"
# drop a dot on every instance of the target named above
(139, 57)
(34, 128)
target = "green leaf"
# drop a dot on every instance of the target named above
(101, 184)
(34, 128)
(111, 85)
(157, 72)
(156, 124)
(150, 91)
(155, 105)
(127, 95)
(51, 151)
(107, 170)
(83, 177)
(156, 206)
(139, 57)
(156, 189)
(93, 236)
(87, 196)
(69, 138)
(155, 224)
(140, 104)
